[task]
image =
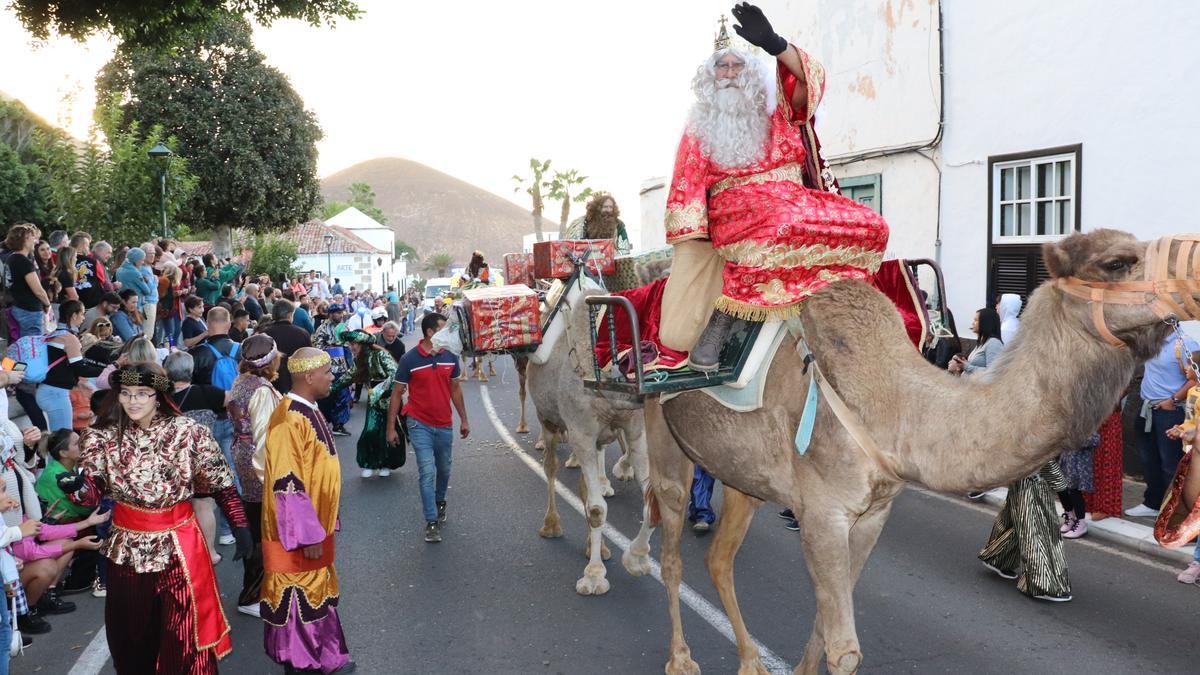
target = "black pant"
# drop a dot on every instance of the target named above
(252, 565)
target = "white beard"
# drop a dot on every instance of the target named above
(731, 122)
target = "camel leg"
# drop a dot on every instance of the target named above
(605, 554)
(637, 558)
(863, 536)
(521, 366)
(477, 365)
(572, 460)
(671, 483)
(736, 512)
(551, 525)
(594, 580)
(606, 487)
(491, 361)
(623, 470)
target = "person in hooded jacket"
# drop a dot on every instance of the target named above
(1009, 309)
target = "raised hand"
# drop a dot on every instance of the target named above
(754, 28)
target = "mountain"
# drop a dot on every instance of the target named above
(437, 213)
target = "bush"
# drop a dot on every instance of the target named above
(274, 256)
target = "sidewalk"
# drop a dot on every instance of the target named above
(1133, 533)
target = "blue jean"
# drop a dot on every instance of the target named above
(431, 445)
(55, 403)
(5, 634)
(223, 433)
(167, 330)
(699, 507)
(1159, 454)
(31, 323)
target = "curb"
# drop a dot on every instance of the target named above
(1124, 533)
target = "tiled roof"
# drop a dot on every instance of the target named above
(196, 248)
(310, 238)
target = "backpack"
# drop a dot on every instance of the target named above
(32, 351)
(225, 369)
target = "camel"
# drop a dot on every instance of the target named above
(1054, 384)
(589, 422)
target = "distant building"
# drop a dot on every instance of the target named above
(382, 237)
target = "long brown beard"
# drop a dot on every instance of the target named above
(602, 227)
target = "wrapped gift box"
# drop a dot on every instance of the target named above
(518, 268)
(639, 269)
(502, 317)
(552, 259)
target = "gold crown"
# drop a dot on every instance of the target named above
(722, 40)
(311, 363)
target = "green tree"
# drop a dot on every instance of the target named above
(165, 22)
(561, 187)
(274, 256)
(535, 185)
(14, 186)
(404, 250)
(362, 197)
(243, 129)
(439, 263)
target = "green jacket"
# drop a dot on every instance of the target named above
(209, 290)
(57, 506)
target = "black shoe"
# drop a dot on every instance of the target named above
(433, 534)
(346, 669)
(441, 506)
(32, 623)
(26, 640)
(340, 430)
(793, 525)
(706, 355)
(787, 514)
(52, 604)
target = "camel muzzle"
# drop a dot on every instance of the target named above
(1170, 297)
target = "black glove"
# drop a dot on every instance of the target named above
(756, 30)
(244, 541)
(69, 481)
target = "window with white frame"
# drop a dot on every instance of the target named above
(1034, 198)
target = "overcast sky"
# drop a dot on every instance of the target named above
(473, 88)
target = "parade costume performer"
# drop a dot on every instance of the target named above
(374, 367)
(755, 219)
(301, 491)
(252, 400)
(328, 338)
(601, 221)
(477, 274)
(1026, 535)
(163, 610)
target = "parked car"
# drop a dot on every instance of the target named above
(433, 288)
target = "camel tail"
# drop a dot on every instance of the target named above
(652, 508)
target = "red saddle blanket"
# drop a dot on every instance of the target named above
(893, 280)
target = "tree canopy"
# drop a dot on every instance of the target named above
(242, 128)
(164, 22)
(362, 197)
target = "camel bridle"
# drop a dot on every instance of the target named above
(1169, 297)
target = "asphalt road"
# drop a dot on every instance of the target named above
(494, 597)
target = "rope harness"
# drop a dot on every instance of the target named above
(1169, 297)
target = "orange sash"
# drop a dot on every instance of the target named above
(276, 558)
(212, 628)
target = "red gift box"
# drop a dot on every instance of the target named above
(518, 268)
(552, 259)
(503, 317)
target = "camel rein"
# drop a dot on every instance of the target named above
(1169, 297)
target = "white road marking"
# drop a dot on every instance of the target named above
(94, 656)
(707, 611)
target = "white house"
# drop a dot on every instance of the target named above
(1057, 118)
(380, 236)
(342, 255)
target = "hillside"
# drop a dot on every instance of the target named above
(437, 213)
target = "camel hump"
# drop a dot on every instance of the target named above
(853, 329)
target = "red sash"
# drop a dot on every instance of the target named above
(212, 628)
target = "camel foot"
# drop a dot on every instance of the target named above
(523, 428)
(622, 470)
(540, 445)
(590, 585)
(753, 667)
(572, 461)
(847, 664)
(682, 664)
(551, 529)
(479, 375)
(491, 370)
(606, 489)
(636, 565)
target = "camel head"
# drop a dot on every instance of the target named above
(1124, 291)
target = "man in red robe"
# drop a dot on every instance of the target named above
(749, 186)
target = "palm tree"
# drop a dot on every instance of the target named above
(439, 263)
(560, 189)
(533, 185)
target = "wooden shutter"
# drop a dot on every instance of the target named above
(1015, 269)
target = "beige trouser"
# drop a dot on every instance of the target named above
(149, 311)
(692, 290)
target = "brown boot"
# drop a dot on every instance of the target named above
(706, 355)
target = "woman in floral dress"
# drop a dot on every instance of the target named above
(374, 367)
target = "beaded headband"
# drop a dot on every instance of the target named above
(264, 359)
(296, 365)
(128, 377)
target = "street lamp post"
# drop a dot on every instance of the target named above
(160, 153)
(329, 256)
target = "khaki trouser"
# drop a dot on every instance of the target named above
(149, 312)
(692, 290)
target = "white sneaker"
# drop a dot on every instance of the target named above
(1078, 529)
(226, 540)
(1141, 511)
(367, 473)
(250, 610)
(385, 472)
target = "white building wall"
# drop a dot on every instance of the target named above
(653, 231)
(358, 269)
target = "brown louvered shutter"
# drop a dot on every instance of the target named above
(1015, 269)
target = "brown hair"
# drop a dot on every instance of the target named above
(597, 201)
(112, 413)
(18, 236)
(268, 372)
